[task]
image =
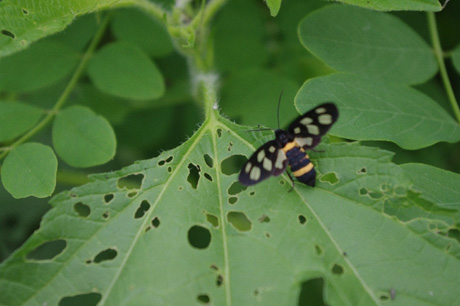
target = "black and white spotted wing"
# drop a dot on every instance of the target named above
(311, 126)
(268, 160)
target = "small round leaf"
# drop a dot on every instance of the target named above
(30, 170)
(82, 138)
(124, 70)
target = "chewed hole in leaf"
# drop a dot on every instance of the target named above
(318, 250)
(142, 209)
(214, 267)
(108, 197)
(232, 165)
(239, 221)
(132, 194)
(375, 195)
(330, 178)
(302, 219)
(252, 193)
(169, 169)
(48, 250)
(337, 269)
(230, 145)
(312, 290)
(194, 175)
(199, 237)
(208, 177)
(219, 133)
(454, 233)
(212, 219)
(165, 161)
(9, 34)
(82, 210)
(363, 170)
(105, 215)
(267, 235)
(264, 219)
(132, 181)
(236, 188)
(87, 299)
(105, 255)
(208, 160)
(25, 12)
(384, 296)
(232, 200)
(155, 222)
(363, 191)
(203, 299)
(219, 280)
(400, 191)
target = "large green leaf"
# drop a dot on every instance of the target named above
(184, 231)
(24, 21)
(397, 5)
(376, 45)
(380, 111)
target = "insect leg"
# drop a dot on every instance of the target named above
(292, 180)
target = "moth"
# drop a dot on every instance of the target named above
(289, 148)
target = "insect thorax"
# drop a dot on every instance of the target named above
(283, 137)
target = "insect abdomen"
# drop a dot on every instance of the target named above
(301, 166)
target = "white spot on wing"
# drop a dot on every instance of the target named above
(255, 173)
(248, 167)
(260, 156)
(313, 129)
(307, 141)
(306, 121)
(280, 159)
(267, 164)
(272, 149)
(297, 130)
(325, 119)
(320, 110)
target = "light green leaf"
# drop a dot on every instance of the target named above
(274, 6)
(380, 111)
(82, 138)
(397, 5)
(30, 170)
(24, 22)
(135, 27)
(376, 45)
(123, 70)
(456, 58)
(17, 118)
(185, 232)
(239, 45)
(41, 65)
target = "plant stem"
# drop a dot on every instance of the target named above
(65, 94)
(442, 67)
(152, 9)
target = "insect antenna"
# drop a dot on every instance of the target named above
(278, 112)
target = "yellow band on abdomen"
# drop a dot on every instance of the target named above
(303, 170)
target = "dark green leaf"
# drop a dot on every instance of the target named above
(135, 27)
(380, 111)
(123, 70)
(41, 65)
(30, 170)
(17, 118)
(82, 138)
(376, 45)
(456, 58)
